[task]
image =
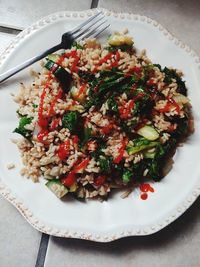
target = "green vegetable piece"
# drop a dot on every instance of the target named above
(105, 164)
(149, 155)
(70, 120)
(21, 128)
(112, 105)
(57, 188)
(139, 145)
(148, 132)
(60, 73)
(127, 174)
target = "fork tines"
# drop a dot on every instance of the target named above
(91, 27)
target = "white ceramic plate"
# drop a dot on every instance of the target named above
(116, 217)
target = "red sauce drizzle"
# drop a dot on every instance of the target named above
(107, 129)
(81, 90)
(63, 150)
(144, 196)
(73, 54)
(54, 124)
(43, 133)
(145, 188)
(75, 139)
(121, 151)
(71, 177)
(103, 60)
(58, 96)
(136, 70)
(81, 165)
(167, 107)
(76, 59)
(42, 122)
(150, 82)
(124, 111)
(100, 180)
(116, 62)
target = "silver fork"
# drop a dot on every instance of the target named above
(88, 29)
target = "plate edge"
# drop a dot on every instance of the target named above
(106, 237)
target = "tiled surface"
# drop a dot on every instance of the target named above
(4, 40)
(181, 18)
(19, 242)
(177, 244)
(21, 13)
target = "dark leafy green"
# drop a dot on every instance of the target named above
(25, 120)
(86, 76)
(112, 105)
(171, 74)
(87, 134)
(107, 84)
(70, 120)
(105, 164)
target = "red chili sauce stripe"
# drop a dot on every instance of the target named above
(71, 176)
(121, 151)
(124, 111)
(63, 150)
(58, 96)
(103, 60)
(167, 107)
(81, 90)
(41, 135)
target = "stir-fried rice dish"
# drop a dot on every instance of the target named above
(100, 117)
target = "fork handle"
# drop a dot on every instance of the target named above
(4, 76)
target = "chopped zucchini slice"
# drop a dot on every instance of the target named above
(148, 132)
(149, 155)
(54, 57)
(118, 39)
(140, 144)
(57, 188)
(60, 73)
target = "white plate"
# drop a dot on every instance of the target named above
(116, 217)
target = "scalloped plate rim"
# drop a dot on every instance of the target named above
(106, 236)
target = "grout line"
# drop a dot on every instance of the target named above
(94, 3)
(9, 30)
(42, 250)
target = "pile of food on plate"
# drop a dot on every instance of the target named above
(99, 117)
